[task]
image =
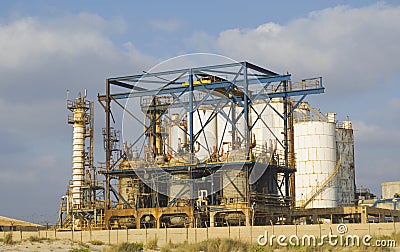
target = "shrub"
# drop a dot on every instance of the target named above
(96, 242)
(79, 250)
(8, 239)
(152, 243)
(213, 245)
(35, 239)
(130, 247)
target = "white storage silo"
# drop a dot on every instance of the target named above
(225, 128)
(268, 138)
(390, 189)
(268, 130)
(207, 138)
(315, 147)
(177, 135)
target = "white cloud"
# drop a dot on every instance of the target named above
(375, 135)
(354, 48)
(45, 57)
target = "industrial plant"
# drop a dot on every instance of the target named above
(219, 145)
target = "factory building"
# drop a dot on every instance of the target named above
(232, 144)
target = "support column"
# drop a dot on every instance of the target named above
(364, 215)
(139, 217)
(108, 144)
(212, 219)
(247, 213)
(286, 136)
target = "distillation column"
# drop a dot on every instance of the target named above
(79, 119)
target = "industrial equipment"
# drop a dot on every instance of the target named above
(231, 144)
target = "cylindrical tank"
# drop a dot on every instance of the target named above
(268, 138)
(390, 189)
(207, 138)
(128, 187)
(315, 146)
(302, 112)
(224, 130)
(179, 190)
(228, 134)
(177, 135)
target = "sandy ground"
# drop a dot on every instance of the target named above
(49, 245)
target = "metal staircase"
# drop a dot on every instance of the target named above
(318, 190)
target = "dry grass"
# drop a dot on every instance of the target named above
(37, 239)
(96, 242)
(8, 239)
(212, 245)
(151, 244)
(125, 247)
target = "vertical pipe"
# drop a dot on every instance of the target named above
(191, 144)
(212, 188)
(191, 134)
(286, 140)
(292, 161)
(108, 144)
(234, 128)
(246, 134)
(246, 108)
(91, 147)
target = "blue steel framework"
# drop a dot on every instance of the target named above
(243, 84)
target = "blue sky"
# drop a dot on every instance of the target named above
(47, 47)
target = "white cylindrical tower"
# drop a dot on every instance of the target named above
(79, 119)
(315, 146)
(78, 147)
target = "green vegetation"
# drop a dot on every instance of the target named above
(151, 244)
(79, 250)
(8, 239)
(128, 247)
(96, 242)
(37, 239)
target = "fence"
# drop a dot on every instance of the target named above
(193, 235)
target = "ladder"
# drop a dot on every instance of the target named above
(323, 185)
